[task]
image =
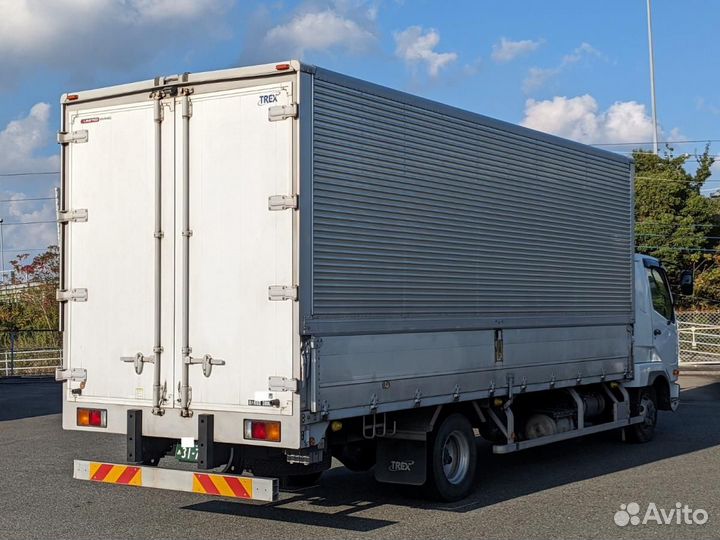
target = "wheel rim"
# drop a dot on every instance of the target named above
(456, 457)
(647, 409)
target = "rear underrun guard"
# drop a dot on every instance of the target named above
(223, 485)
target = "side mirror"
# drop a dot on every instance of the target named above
(687, 283)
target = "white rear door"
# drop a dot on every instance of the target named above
(111, 255)
(238, 247)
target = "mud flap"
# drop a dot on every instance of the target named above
(401, 461)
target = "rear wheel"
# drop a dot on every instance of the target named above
(452, 459)
(645, 405)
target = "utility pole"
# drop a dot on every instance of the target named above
(57, 213)
(652, 77)
(2, 250)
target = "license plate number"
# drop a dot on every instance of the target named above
(188, 454)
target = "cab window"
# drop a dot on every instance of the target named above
(660, 293)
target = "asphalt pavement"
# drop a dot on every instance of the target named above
(567, 490)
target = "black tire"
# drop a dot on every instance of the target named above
(644, 404)
(452, 460)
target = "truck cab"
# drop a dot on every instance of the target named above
(655, 337)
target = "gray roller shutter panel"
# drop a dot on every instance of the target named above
(432, 213)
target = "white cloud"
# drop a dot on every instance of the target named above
(537, 77)
(319, 31)
(507, 50)
(84, 36)
(580, 118)
(22, 138)
(416, 46)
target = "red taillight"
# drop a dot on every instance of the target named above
(282, 67)
(262, 431)
(92, 417)
(259, 430)
(96, 418)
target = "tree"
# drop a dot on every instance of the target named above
(674, 221)
(28, 301)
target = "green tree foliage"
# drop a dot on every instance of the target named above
(707, 285)
(674, 221)
(28, 300)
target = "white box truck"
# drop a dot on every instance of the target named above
(270, 266)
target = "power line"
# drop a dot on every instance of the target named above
(30, 173)
(685, 141)
(677, 225)
(23, 250)
(687, 158)
(23, 199)
(29, 223)
(686, 180)
(680, 249)
(665, 235)
(674, 224)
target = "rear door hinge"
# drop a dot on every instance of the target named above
(281, 292)
(282, 384)
(75, 374)
(71, 295)
(283, 202)
(67, 137)
(66, 216)
(281, 112)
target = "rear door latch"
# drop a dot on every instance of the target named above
(139, 360)
(207, 362)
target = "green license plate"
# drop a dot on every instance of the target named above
(189, 454)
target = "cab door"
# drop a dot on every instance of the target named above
(662, 316)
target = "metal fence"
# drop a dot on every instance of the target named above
(30, 352)
(39, 352)
(699, 337)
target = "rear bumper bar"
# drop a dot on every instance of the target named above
(222, 485)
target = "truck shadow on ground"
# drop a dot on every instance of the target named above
(28, 397)
(342, 494)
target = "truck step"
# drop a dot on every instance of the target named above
(221, 485)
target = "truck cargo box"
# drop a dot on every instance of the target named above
(282, 241)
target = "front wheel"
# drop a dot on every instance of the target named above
(645, 405)
(452, 459)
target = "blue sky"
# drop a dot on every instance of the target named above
(577, 69)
